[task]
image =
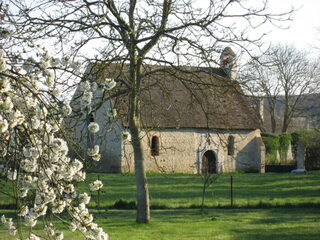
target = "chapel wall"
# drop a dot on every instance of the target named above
(181, 150)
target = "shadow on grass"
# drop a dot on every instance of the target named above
(278, 234)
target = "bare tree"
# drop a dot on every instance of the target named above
(283, 75)
(208, 179)
(160, 32)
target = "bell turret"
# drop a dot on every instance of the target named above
(228, 62)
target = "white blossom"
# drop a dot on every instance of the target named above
(48, 172)
(44, 64)
(87, 217)
(95, 186)
(60, 145)
(58, 236)
(3, 64)
(35, 123)
(66, 109)
(16, 118)
(8, 223)
(28, 181)
(58, 206)
(26, 152)
(12, 174)
(86, 98)
(30, 220)
(23, 192)
(80, 176)
(69, 188)
(96, 157)
(34, 152)
(85, 86)
(57, 92)
(49, 230)
(33, 237)
(41, 112)
(29, 165)
(54, 127)
(73, 227)
(30, 102)
(101, 235)
(3, 125)
(6, 104)
(4, 85)
(49, 78)
(110, 83)
(24, 210)
(93, 127)
(93, 151)
(84, 198)
(77, 165)
(41, 209)
(112, 113)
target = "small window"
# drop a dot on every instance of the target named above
(90, 136)
(155, 146)
(91, 118)
(230, 145)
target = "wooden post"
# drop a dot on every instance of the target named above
(231, 190)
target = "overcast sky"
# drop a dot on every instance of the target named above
(303, 31)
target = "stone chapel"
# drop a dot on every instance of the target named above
(194, 120)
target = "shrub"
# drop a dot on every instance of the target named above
(272, 144)
(123, 204)
(310, 138)
(284, 143)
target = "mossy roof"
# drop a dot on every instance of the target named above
(181, 97)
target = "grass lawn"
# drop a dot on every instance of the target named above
(215, 224)
(184, 190)
(178, 191)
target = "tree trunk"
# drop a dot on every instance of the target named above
(143, 208)
(142, 193)
(273, 121)
(285, 123)
(273, 124)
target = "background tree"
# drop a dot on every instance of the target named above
(283, 75)
(136, 33)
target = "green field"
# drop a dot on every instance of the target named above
(215, 224)
(278, 206)
(184, 190)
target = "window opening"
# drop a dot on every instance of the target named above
(230, 145)
(155, 146)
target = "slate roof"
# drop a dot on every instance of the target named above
(184, 97)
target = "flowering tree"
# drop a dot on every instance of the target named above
(35, 155)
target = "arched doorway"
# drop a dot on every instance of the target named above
(208, 162)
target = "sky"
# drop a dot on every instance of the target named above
(304, 30)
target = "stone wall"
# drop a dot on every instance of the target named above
(181, 150)
(261, 163)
